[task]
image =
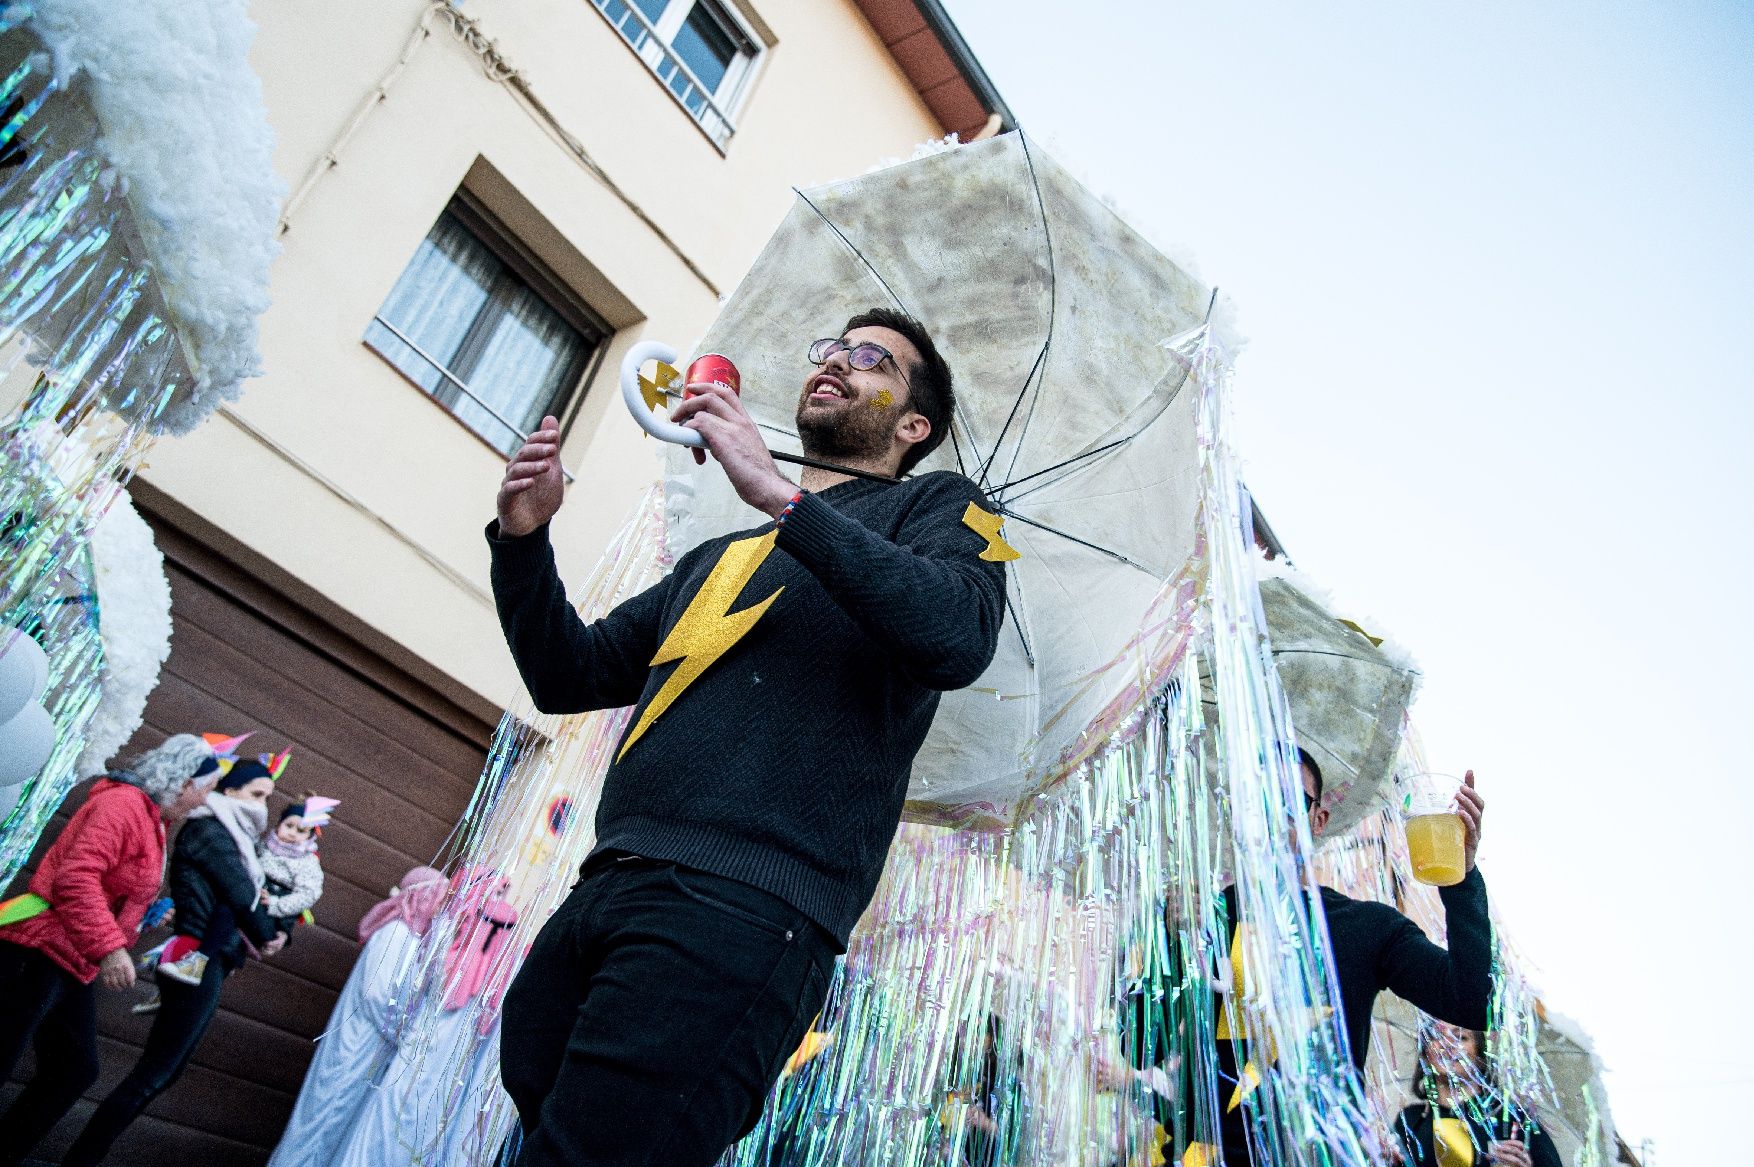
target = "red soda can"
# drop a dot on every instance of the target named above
(712, 369)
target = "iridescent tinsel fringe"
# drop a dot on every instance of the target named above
(88, 361)
(1002, 983)
(527, 829)
(1000, 980)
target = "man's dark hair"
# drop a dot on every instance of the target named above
(929, 391)
(1304, 757)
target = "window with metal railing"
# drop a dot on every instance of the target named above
(485, 330)
(698, 49)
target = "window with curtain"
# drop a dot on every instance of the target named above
(484, 331)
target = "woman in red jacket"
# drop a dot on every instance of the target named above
(81, 914)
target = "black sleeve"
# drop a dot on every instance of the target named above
(1542, 1152)
(928, 599)
(567, 665)
(1413, 1132)
(1453, 985)
(210, 850)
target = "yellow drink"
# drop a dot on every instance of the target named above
(1435, 843)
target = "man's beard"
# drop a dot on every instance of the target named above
(858, 433)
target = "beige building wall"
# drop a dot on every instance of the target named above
(345, 474)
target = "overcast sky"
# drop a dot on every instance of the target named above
(1494, 264)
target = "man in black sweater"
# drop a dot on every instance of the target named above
(1377, 948)
(1374, 947)
(783, 679)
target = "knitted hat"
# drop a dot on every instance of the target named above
(312, 808)
(244, 772)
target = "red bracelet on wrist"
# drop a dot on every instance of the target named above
(780, 519)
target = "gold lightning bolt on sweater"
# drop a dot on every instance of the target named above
(784, 680)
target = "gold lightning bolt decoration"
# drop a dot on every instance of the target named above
(1376, 641)
(988, 526)
(1247, 1083)
(654, 390)
(1202, 1154)
(708, 628)
(1249, 1078)
(1454, 1145)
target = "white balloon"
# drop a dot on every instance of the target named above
(9, 799)
(25, 744)
(24, 671)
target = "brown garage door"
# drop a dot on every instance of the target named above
(401, 757)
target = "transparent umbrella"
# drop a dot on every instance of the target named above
(1348, 699)
(1071, 414)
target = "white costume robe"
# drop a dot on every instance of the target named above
(430, 1106)
(360, 1039)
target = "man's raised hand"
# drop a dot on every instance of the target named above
(533, 487)
(717, 414)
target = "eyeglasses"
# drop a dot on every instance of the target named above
(862, 356)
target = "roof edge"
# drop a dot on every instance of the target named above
(1265, 539)
(938, 20)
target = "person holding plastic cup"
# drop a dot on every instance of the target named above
(1440, 824)
(1374, 947)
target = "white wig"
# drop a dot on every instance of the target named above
(164, 771)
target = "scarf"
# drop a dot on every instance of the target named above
(273, 844)
(418, 899)
(243, 821)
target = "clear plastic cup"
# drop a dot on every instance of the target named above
(1436, 837)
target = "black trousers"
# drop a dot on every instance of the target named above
(184, 1013)
(39, 999)
(653, 1014)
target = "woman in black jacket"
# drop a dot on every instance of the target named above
(1461, 1121)
(217, 889)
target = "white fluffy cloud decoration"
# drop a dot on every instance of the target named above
(186, 129)
(134, 623)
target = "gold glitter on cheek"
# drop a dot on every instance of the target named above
(883, 400)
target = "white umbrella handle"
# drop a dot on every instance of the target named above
(651, 420)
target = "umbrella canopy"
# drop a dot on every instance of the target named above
(1070, 413)
(1571, 1059)
(1348, 699)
